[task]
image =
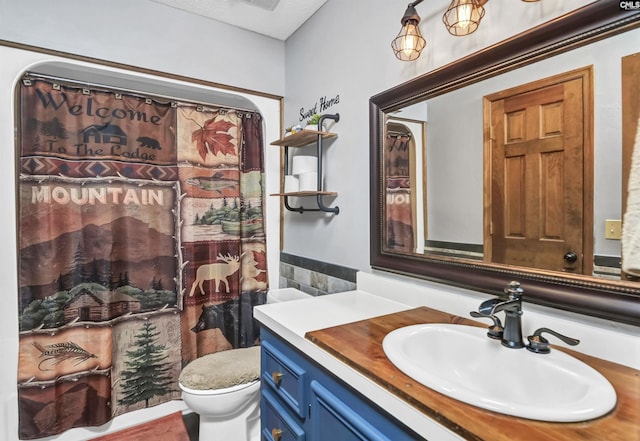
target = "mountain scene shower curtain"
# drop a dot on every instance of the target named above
(399, 235)
(141, 248)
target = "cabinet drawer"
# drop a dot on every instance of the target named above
(285, 377)
(276, 423)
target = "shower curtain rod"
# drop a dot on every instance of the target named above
(397, 133)
(135, 93)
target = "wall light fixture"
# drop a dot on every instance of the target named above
(462, 17)
(409, 42)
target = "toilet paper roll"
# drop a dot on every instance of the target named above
(308, 181)
(304, 164)
(290, 184)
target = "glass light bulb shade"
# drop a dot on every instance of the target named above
(463, 17)
(409, 43)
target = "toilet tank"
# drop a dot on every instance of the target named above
(285, 295)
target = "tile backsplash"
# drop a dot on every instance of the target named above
(315, 277)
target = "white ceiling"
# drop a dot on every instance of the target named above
(274, 18)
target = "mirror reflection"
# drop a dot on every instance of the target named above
(405, 179)
(523, 168)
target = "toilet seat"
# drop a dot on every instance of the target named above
(221, 391)
(222, 370)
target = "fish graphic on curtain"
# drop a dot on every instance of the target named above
(125, 204)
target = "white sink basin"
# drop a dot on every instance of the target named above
(463, 363)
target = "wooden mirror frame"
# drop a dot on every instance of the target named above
(612, 300)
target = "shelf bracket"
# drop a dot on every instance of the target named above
(322, 207)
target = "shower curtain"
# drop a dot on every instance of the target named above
(398, 206)
(141, 247)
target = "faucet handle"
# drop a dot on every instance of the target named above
(494, 331)
(540, 345)
(513, 290)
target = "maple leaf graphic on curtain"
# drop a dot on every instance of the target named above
(261, 265)
(214, 137)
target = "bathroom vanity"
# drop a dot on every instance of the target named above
(325, 377)
(301, 401)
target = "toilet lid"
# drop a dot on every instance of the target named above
(222, 369)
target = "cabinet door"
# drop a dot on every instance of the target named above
(331, 419)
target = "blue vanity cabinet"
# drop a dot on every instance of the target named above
(303, 402)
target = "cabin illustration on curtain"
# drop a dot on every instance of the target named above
(104, 134)
(126, 203)
(97, 306)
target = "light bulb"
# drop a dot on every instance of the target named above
(409, 42)
(464, 16)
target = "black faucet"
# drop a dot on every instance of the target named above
(511, 334)
(511, 304)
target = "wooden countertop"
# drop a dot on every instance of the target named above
(359, 345)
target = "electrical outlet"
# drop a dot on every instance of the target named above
(613, 229)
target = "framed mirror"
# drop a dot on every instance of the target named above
(451, 196)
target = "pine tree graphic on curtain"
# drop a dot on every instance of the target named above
(146, 374)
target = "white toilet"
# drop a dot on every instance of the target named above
(223, 388)
(231, 413)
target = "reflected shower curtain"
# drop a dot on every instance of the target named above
(141, 247)
(399, 216)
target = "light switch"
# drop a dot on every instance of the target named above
(613, 229)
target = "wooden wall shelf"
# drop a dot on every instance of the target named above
(301, 139)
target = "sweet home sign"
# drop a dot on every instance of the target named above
(322, 105)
